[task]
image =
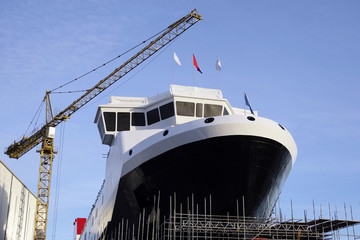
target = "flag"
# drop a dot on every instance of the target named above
(177, 60)
(195, 64)
(218, 65)
(248, 104)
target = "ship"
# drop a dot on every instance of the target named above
(187, 144)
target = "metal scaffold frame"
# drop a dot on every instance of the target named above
(188, 222)
(200, 226)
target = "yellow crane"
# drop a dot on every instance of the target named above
(46, 134)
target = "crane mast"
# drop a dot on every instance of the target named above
(46, 133)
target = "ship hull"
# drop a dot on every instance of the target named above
(236, 172)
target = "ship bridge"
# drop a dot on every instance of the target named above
(179, 105)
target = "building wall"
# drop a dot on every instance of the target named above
(17, 207)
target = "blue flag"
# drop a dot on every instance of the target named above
(248, 104)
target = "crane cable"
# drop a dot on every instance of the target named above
(87, 73)
(76, 91)
(125, 81)
(36, 115)
(111, 60)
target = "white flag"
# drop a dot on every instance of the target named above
(218, 65)
(177, 60)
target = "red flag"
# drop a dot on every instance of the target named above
(195, 64)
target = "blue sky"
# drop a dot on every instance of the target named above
(298, 62)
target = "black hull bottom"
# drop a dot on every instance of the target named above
(227, 168)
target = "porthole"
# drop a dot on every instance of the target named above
(281, 126)
(130, 152)
(251, 118)
(165, 132)
(209, 120)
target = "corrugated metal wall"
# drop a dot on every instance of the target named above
(17, 207)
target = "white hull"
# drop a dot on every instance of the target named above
(120, 162)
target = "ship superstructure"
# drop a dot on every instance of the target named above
(188, 141)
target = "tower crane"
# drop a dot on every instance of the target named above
(46, 134)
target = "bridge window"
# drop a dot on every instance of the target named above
(109, 121)
(167, 110)
(153, 116)
(185, 108)
(123, 121)
(199, 110)
(211, 110)
(225, 111)
(138, 119)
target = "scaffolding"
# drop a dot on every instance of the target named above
(199, 226)
(181, 226)
(187, 222)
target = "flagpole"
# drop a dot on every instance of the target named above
(193, 77)
(173, 72)
(217, 79)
